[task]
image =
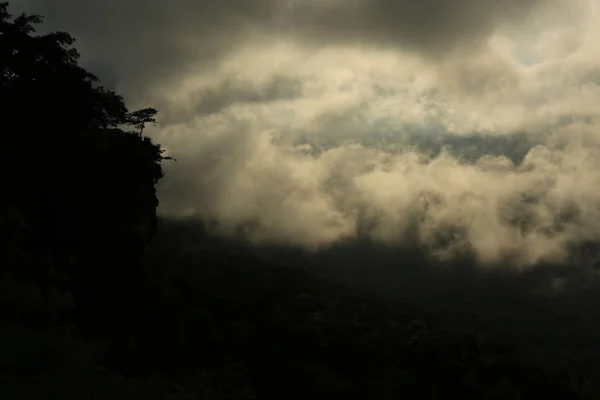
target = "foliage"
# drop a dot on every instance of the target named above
(54, 110)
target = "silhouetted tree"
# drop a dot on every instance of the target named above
(140, 118)
(83, 181)
(54, 116)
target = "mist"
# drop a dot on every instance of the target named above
(345, 143)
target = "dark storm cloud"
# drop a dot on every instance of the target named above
(149, 42)
(142, 42)
(429, 27)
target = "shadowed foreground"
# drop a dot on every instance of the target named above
(234, 326)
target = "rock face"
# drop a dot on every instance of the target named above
(126, 197)
(98, 206)
(145, 221)
(119, 224)
(13, 227)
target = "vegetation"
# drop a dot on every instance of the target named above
(84, 316)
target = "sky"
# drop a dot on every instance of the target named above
(453, 125)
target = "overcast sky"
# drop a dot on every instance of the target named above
(322, 119)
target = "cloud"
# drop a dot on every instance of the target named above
(230, 91)
(153, 43)
(430, 27)
(375, 143)
(457, 126)
(529, 212)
